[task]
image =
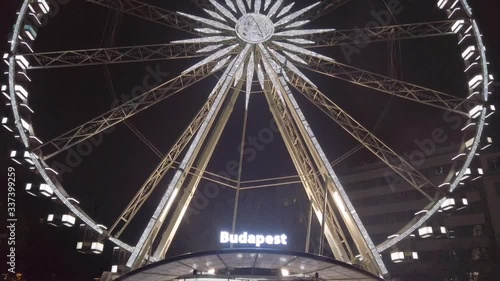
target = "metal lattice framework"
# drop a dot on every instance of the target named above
(390, 85)
(258, 44)
(151, 13)
(126, 110)
(382, 33)
(322, 9)
(306, 167)
(113, 55)
(363, 135)
(286, 110)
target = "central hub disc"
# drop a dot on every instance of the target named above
(254, 28)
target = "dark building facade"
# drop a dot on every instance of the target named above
(468, 251)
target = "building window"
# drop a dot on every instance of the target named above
(286, 202)
(479, 254)
(493, 164)
(473, 276)
(476, 254)
(440, 171)
(301, 219)
(484, 253)
(477, 231)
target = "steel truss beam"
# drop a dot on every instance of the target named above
(311, 180)
(287, 111)
(155, 223)
(382, 33)
(363, 135)
(124, 111)
(211, 177)
(190, 189)
(309, 177)
(113, 55)
(336, 194)
(150, 13)
(168, 161)
(325, 7)
(388, 85)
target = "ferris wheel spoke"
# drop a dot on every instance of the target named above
(150, 13)
(124, 111)
(388, 85)
(325, 7)
(363, 36)
(363, 135)
(114, 55)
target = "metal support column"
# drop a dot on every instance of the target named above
(192, 186)
(180, 176)
(309, 225)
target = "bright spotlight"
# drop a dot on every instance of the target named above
(284, 272)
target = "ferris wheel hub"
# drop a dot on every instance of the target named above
(254, 28)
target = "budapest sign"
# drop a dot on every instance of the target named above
(252, 239)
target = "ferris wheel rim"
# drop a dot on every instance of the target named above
(433, 208)
(61, 193)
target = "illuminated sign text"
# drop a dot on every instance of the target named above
(254, 239)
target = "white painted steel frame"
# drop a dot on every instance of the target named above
(156, 221)
(192, 186)
(62, 195)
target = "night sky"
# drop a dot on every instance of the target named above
(106, 179)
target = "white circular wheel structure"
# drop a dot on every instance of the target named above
(254, 28)
(267, 43)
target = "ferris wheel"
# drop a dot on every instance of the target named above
(259, 47)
